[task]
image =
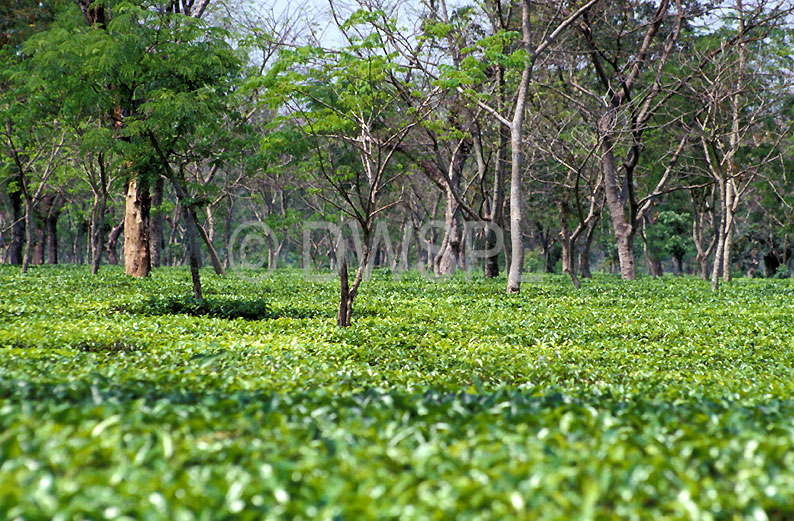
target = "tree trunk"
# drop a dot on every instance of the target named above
(730, 212)
(624, 232)
(191, 233)
(136, 229)
(516, 156)
(497, 213)
(52, 232)
(584, 250)
(156, 223)
(715, 272)
(568, 243)
(16, 249)
(113, 238)
(343, 317)
(97, 230)
(450, 252)
(40, 239)
(227, 233)
(216, 262)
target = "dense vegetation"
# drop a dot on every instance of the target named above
(591, 134)
(122, 399)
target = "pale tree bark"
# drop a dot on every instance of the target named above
(137, 262)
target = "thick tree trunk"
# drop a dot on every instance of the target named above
(137, 261)
(624, 232)
(156, 223)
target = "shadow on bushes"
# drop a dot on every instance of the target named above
(217, 308)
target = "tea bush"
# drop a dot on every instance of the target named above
(122, 399)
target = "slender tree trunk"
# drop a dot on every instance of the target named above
(191, 233)
(29, 230)
(497, 213)
(730, 212)
(715, 272)
(137, 262)
(568, 243)
(216, 262)
(450, 253)
(342, 317)
(97, 229)
(16, 249)
(113, 238)
(584, 251)
(227, 233)
(156, 223)
(516, 153)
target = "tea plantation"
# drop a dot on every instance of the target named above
(122, 399)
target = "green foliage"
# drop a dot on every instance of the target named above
(656, 399)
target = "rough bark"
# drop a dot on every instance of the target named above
(137, 262)
(624, 232)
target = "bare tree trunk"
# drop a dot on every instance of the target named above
(16, 249)
(568, 243)
(730, 212)
(497, 213)
(156, 223)
(450, 252)
(97, 228)
(113, 238)
(193, 249)
(216, 262)
(342, 317)
(584, 250)
(715, 272)
(29, 230)
(52, 231)
(136, 229)
(516, 153)
(624, 232)
(227, 233)
(40, 233)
